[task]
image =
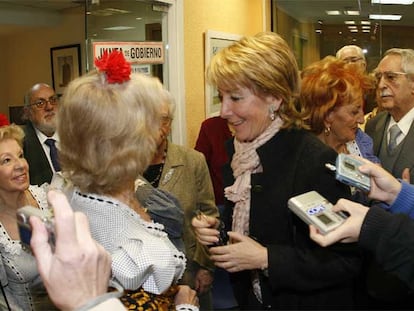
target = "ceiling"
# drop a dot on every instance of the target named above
(53, 5)
(315, 10)
(302, 10)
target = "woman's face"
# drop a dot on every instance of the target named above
(165, 127)
(345, 119)
(14, 175)
(245, 112)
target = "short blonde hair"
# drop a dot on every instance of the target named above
(265, 64)
(108, 131)
(328, 84)
(12, 131)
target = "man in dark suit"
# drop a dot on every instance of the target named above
(40, 109)
(395, 94)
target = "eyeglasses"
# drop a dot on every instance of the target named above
(165, 120)
(353, 59)
(41, 102)
(389, 76)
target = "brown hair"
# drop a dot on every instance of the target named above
(328, 84)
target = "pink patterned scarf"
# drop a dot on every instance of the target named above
(245, 162)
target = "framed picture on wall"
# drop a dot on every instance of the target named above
(214, 42)
(66, 65)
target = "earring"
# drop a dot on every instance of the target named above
(272, 112)
(327, 131)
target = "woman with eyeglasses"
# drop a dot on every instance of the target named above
(184, 173)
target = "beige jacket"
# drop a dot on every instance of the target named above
(186, 176)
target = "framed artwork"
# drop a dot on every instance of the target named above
(214, 42)
(66, 65)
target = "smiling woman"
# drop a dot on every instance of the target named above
(273, 157)
(23, 288)
(333, 92)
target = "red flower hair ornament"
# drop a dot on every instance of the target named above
(115, 66)
(3, 120)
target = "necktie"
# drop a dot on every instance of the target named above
(394, 133)
(53, 153)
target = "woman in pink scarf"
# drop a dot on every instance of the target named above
(272, 261)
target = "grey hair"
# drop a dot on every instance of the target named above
(407, 58)
(170, 101)
(356, 48)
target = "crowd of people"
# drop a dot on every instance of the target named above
(138, 220)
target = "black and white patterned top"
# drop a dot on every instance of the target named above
(142, 254)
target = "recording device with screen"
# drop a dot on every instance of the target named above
(348, 173)
(25, 229)
(314, 209)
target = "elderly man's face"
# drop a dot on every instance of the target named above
(43, 109)
(352, 56)
(395, 90)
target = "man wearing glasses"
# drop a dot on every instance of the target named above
(392, 130)
(352, 54)
(40, 151)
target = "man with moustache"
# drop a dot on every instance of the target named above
(395, 93)
(40, 107)
(392, 131)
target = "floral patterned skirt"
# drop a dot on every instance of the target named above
(141, 300)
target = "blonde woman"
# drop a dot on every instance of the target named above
(20, 279)
(108, 127)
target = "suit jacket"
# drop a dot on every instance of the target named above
(376, 128)
(301, 274)
(186, 176)
(39, 167)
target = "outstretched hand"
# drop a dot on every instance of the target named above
(80, 268)
(347, 232)
(384, 186)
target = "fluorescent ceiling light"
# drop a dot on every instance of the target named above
(403, 2)
(366, 27)
(353, 13)
(119, 28)
(365, 23)
(366, 30)
(349, 22)
(333, 12)
(353, 30)
(108, 12)
(385, 17)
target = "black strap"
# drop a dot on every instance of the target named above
(3, 277)
(5, 298)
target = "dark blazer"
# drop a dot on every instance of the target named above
(376, 128)
(39, 167)
(301, 274)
